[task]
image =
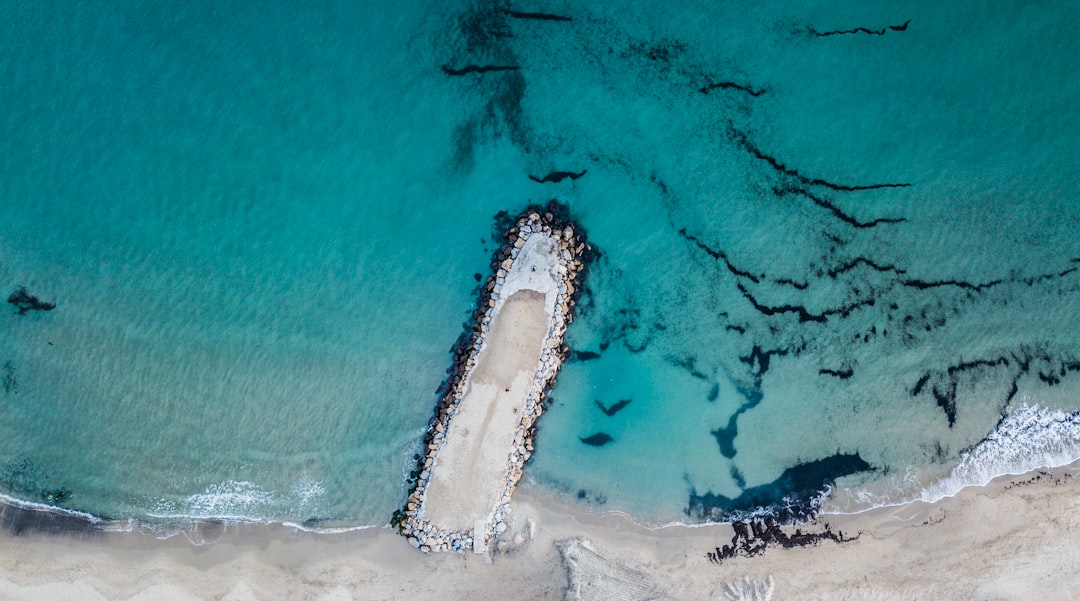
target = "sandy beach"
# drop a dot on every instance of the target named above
(1017, 538)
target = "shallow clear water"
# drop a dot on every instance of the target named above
(260, 226)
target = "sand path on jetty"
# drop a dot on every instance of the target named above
(469, 476)
(470, 472)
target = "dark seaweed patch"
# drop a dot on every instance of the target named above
(725, 435)
(597, 440)
(714, 393)
(537, 16)
(720, 256)
(925, 285)
(803, 314)
(664, 50)
(943, 384)
(835, 271)
(842, 216)
(744, 142)
(789, 498)
(10, 383)
(843, 374)
(591, 497)
(614, 408)
(690, 365)
(484, 29)
(558, 176)
(758, 359)
(864, 30)
(26, 302)
(23, 478)
(792, 283)
(730, 85)
(1030, 281)
(585, 355)
(467, 69)
(800, 311)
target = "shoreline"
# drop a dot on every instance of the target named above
(1019, 530)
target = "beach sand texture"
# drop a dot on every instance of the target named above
(1017, 538)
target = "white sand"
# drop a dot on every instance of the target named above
(996, 542)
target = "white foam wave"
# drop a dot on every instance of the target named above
(23, 504)
(329, 530)
(242, 501)
(231, 500)
(1030, 438)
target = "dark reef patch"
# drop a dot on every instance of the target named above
(614, 408)
(789, 498)
(714, 393)
(26, 302)
(864, 30)
(597, 440)
(730, 85)
(558, 176)
(467, 69)
(743, 141)
(585, 356)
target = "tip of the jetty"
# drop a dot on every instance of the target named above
(484, 426)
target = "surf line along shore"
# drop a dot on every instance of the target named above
(484, 427)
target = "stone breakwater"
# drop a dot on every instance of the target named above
(565, 252)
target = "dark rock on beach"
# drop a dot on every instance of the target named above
(754, 537)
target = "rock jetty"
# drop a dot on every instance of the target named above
(481, 436)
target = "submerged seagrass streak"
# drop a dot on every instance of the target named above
(483, 430)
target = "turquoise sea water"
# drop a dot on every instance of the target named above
(260, 224)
